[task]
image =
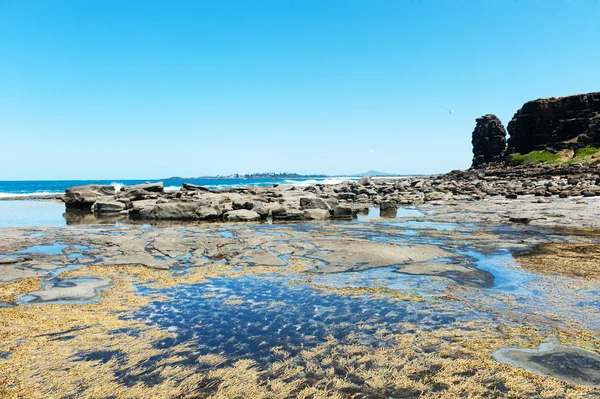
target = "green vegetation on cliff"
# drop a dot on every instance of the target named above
(535, 157)
(583, 155)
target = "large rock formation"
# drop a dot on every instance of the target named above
(556, 123)
(489, 140)
(83, 197)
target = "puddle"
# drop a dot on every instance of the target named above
(402, 212)
(35, 235)
(507, 277)
(53, 249)
(31, 214)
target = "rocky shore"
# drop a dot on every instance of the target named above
(324, 202)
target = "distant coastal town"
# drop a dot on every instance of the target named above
(273, 175)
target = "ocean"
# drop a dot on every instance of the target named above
(49, 187)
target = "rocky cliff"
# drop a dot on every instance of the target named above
(556, 123)
(489, 140)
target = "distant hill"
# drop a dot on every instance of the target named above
(375, 173)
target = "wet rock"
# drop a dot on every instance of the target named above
(342, 212)
(257, 258)
(354, 254)
(462, 274)
(521, 220)
(14, 272)
(569, 364)
(388, 209)
(72, 289)
(10, 261)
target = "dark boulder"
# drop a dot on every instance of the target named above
(489, 140)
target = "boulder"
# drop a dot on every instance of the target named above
(342, 212)
(194, 187)
(388, 208)
(150, 187)
(141, 209)
(366, 180)
(489, 140)
(285, 213)
(347, 196)
(83, 197)
(135, 194)
(316, 214)
(314, 203)
(207, 213)
(243, 204)
(174, 211)
(241, 215)
(108, 207)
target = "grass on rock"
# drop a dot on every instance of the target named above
(536, 158)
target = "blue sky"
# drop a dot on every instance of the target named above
(148, 89)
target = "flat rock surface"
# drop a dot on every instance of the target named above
(569, 364)
(73, 290)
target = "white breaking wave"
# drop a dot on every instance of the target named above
(117, 186)
(172, 188)
(304, 183)
(38, 194)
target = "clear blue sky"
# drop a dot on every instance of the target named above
(148, 89)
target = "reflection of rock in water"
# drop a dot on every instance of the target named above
(74, 217)
(462, 274)
(569, 364)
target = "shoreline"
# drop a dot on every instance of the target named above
(500, 284)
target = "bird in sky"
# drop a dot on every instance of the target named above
(450, 111)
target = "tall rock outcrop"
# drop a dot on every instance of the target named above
(489, 140)
(556, 123)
